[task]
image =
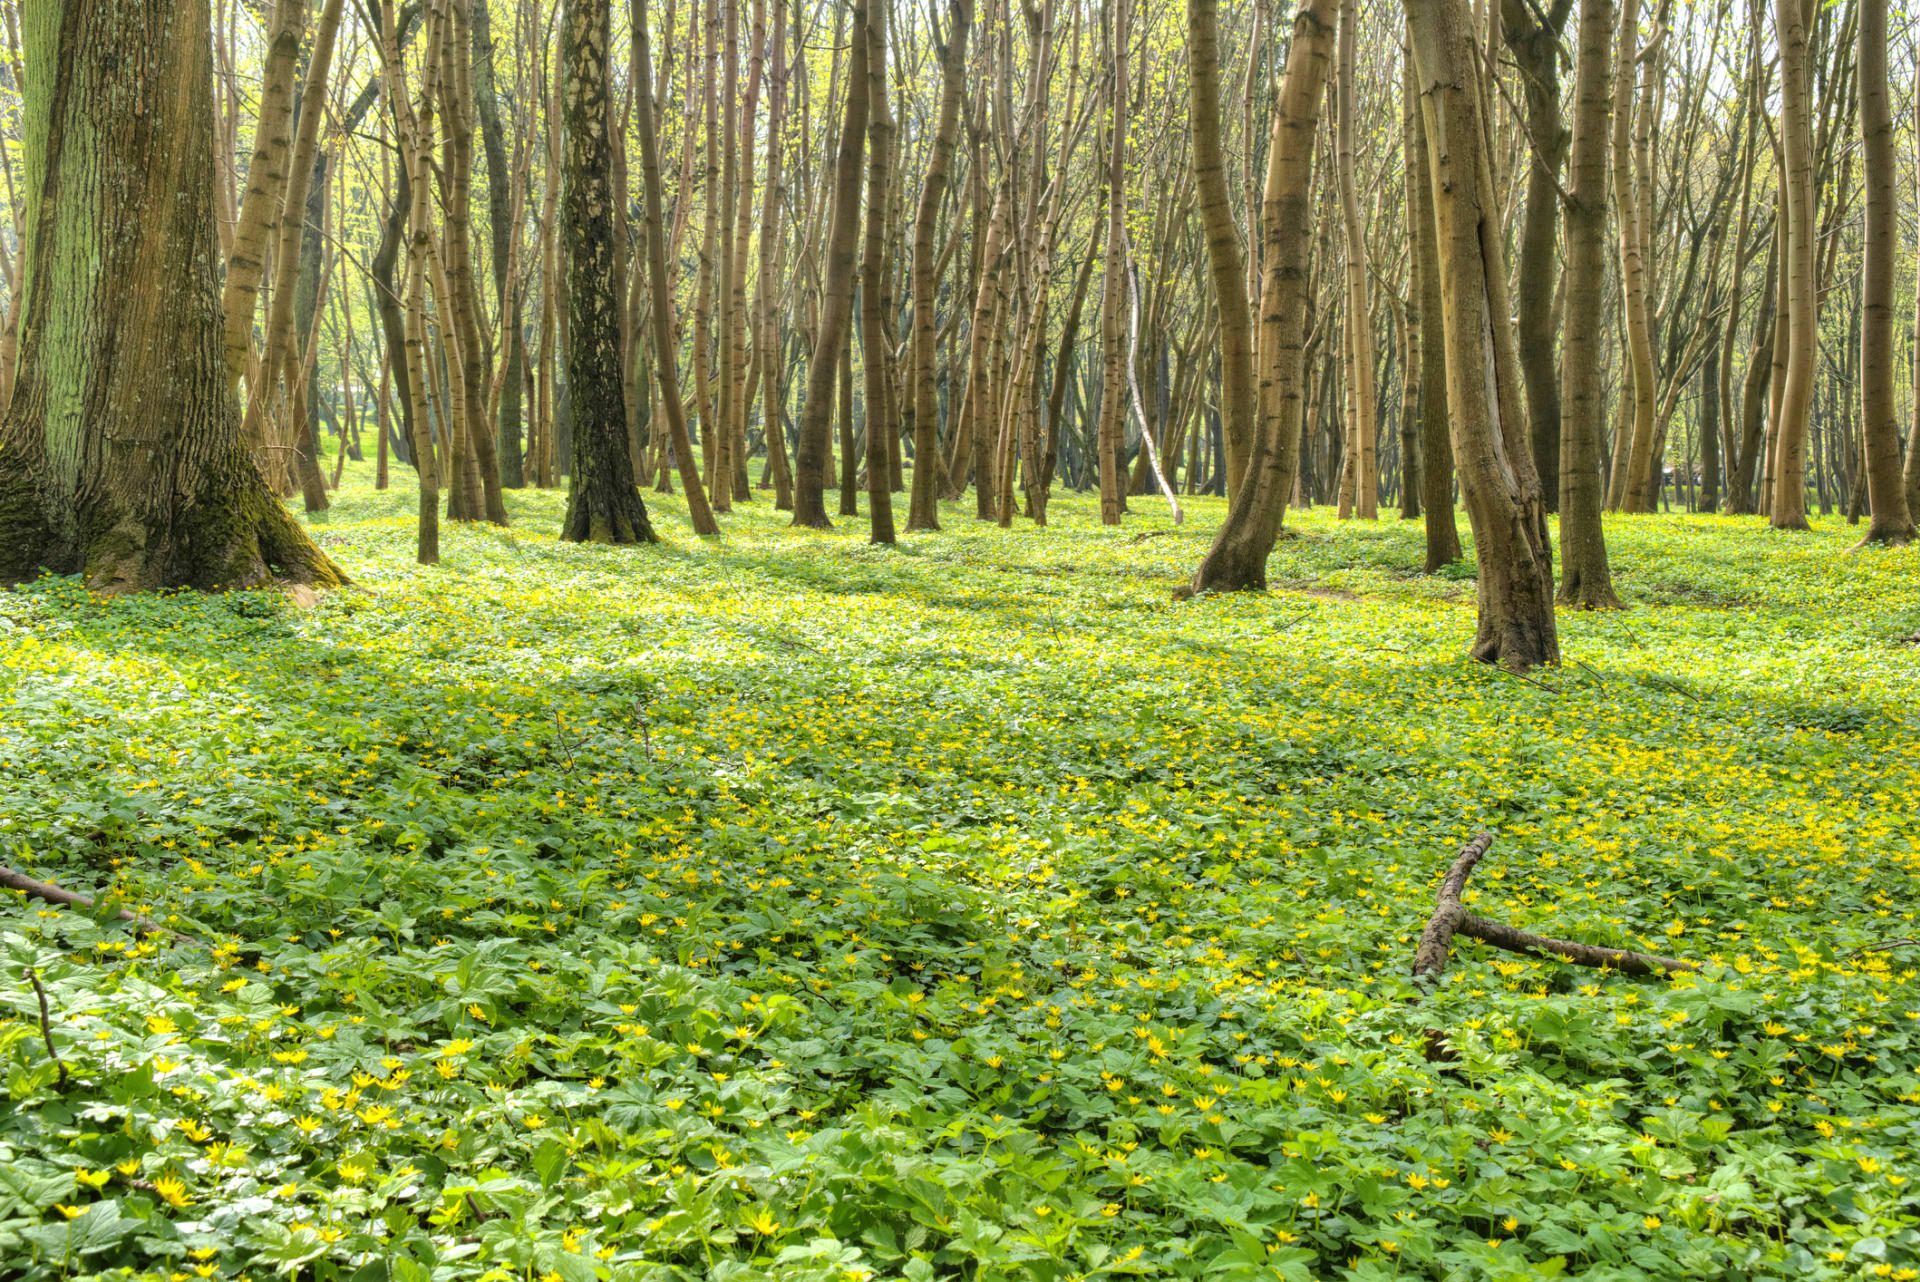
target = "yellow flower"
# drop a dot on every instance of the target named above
(69, 1211)
(761, 1221)
(172, 1191)
(1652, 1221)
(533, 1121)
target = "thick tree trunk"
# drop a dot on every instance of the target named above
(836, 307)
(1886, 489)
(1484, 399)
(1586, 580)
(1111, 436)
(120, 455)
(603, 502)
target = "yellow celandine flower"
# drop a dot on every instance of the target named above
(172, 1191)
(1652, 1221)
(69, 1211)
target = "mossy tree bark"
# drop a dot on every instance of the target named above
(1486, 407)
(120, 455)
(603, 502)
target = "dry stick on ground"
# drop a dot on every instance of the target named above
(46, 1023)
(55, 895)
(1451, 918)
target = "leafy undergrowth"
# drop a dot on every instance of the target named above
(792, 908)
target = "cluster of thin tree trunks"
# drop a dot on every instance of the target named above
(1418, 272)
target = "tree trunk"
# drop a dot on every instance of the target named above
(1237, 561)
(1586, 580)
(120, 455)
(1364, 468)
(1637, 446)
(836, 306)
(1886, 489)
(603, 502)
(1536, 47)
(1789, 509)
(1436, 441)
(666, 368)
(1111, 438)
(1226, 264)
(1485, 404)
(923, 508)
(873, 350)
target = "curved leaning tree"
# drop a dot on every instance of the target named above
(120, 454)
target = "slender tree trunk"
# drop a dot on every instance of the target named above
(873, 356)
(1789, 511)
(1237, 561)
(1630, 451)
(1359, 336)
(120, 454)
(923, 508)
(1536, 46)
(1225, 262)
(666, 368)
(836, 309)
(260, 207)
(603, 502)
(1586, 579)
(1113, 290)
(1436, 440)
(1886, 488)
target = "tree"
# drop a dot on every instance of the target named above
(1585, 577)
(923, 509)
(120, 455)
(1485, 405)
(873, 350)
(836, 304)
(1789, 510)
(1226, 264)
(1360, 484)
(1534, 38)
(666, 369)
(603, 502)
(1635, 448)
(1237, 561)
(1890, 521)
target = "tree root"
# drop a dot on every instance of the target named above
(12, 880)
(1451, 918)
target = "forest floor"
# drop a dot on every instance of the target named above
(789, 907)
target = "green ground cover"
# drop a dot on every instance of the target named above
(793, 908)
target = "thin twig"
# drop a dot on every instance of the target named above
(46, 1023)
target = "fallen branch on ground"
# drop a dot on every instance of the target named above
(56, 895)
(1451, 918)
